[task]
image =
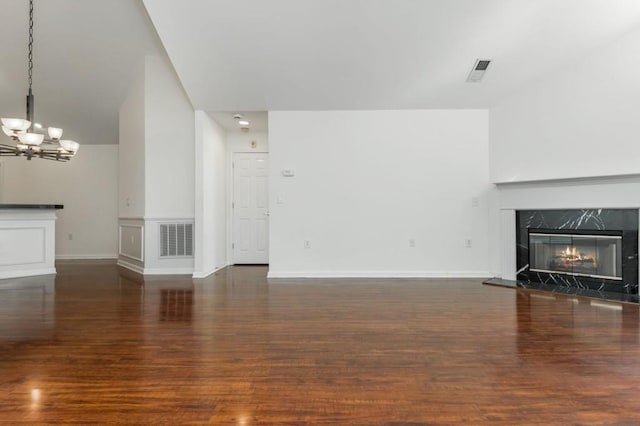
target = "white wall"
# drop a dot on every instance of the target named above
(132, 153)
(169, 143)
(366, 182)
(87, 186)
(156, 167)
(579, 120)
(564, 134)
(210, 196)
(241, 142)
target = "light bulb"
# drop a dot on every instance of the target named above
(55, 132)
(31, 138)
(70, 146)
(16, 124)
(8, 132)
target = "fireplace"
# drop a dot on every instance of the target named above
(590, 248)
(584, 255)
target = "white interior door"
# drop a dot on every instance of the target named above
(250, 208)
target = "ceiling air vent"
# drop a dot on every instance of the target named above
(478, 70)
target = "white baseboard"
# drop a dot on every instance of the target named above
(86, 257)
(168, 271)
(27, 273)
(206, 274)
(130, 266)
(379, 274)
(154, 271)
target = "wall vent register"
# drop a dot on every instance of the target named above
(176, 240)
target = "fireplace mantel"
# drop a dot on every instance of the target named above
(633, 177)
(603, 192)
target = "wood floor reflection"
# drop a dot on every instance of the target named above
(97, 345)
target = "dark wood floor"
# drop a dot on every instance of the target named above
(98, 346)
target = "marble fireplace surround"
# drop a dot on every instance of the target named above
(595, 221)
(580, 194)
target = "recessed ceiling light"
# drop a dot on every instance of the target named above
(243, 122)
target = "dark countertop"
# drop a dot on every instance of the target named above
(31, 206)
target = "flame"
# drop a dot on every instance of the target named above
(572, 252)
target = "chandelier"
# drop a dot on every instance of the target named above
(31, 139)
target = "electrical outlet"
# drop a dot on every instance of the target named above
(467, 242)
(412, 242)
(475, 202)
(70, 237)
(307, 244)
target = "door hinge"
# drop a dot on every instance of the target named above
(233, 205)
(233, 245)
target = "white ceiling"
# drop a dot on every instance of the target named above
(374, 54)
(256, 55)
(257, 120)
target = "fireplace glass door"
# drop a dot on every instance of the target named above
(597, 256)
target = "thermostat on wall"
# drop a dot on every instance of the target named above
(288, 173)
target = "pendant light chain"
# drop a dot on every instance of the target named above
(30, 44)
